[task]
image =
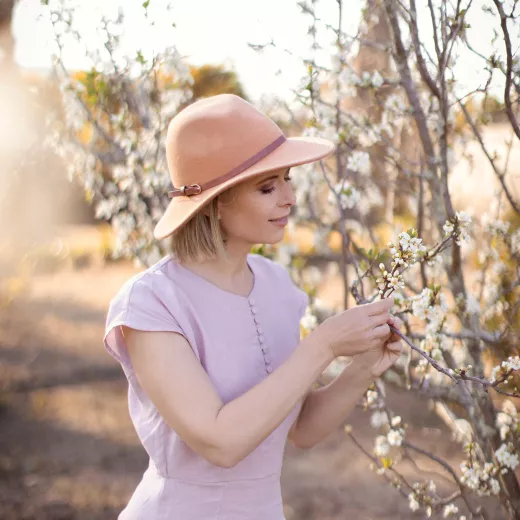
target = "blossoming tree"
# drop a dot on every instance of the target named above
(389, 98)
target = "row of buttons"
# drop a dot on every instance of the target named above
(260, 334)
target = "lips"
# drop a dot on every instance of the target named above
(282, 222)
(281, 219)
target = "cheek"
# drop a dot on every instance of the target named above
(250, 211)
(257, 208)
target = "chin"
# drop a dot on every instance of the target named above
(272, 240)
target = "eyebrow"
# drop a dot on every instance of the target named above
(271, 177)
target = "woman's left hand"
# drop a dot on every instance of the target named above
(379, 360)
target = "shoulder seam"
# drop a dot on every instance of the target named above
(127, 302)
(139, 277)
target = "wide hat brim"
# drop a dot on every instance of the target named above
(293, 152)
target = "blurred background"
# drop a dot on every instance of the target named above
(67, 447)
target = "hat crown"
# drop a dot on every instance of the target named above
(212, 136)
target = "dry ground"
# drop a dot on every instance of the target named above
(67, 446)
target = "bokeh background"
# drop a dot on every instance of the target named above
(67, 447)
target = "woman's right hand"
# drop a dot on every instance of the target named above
(358, 329)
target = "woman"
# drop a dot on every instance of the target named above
(209, 336)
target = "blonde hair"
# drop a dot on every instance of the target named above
(202, 237)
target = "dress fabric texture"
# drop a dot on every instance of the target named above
(239, 341)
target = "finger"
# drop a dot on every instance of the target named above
(394, 337)
(382, 306)
(382, 331)
(379, 319)
(394, 320)
(395, 346)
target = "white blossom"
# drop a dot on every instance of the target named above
(449, 510)
(421, 303)
(506, 457)
(371, 397)
(511, 363)
(349, 77)
(309, 320)
(497, 227)
(359, 161)
(396, 421)
(480, 479)
(378, 419)
(504, 422)
(348, 195)
(377, 80)
(412, 502)
(382, 447)
(395, 437)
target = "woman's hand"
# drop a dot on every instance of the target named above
(379, 360)
(356, 330)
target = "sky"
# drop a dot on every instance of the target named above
(211, 31)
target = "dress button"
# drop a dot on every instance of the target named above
(269, 369)
(257, 321)
(253, 310)
(251, 301)
(267, 359)
(259, 330)
(265, 349)
(260, 339)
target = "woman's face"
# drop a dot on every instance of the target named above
(257, 202)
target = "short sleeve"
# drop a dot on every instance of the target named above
(137, 306)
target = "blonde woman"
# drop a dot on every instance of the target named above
(209, 336)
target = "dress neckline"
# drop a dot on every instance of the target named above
(205, 280)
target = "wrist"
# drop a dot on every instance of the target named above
(363, 370)
(319, 348)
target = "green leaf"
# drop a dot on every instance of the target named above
(146, 4)
(140, 58)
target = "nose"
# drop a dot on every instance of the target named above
(289, 197)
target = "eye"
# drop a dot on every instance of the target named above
(272, 188)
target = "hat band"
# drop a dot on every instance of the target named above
(195, 189)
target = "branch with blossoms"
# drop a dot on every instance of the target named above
(405, 255)
(373, 114)
(484, 480)
(112, 132)
(420, 494)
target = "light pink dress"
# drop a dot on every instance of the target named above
(239, 341)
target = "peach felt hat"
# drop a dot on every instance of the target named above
(218, 142)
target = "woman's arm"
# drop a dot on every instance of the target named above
(325, 408)
(169, 372)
